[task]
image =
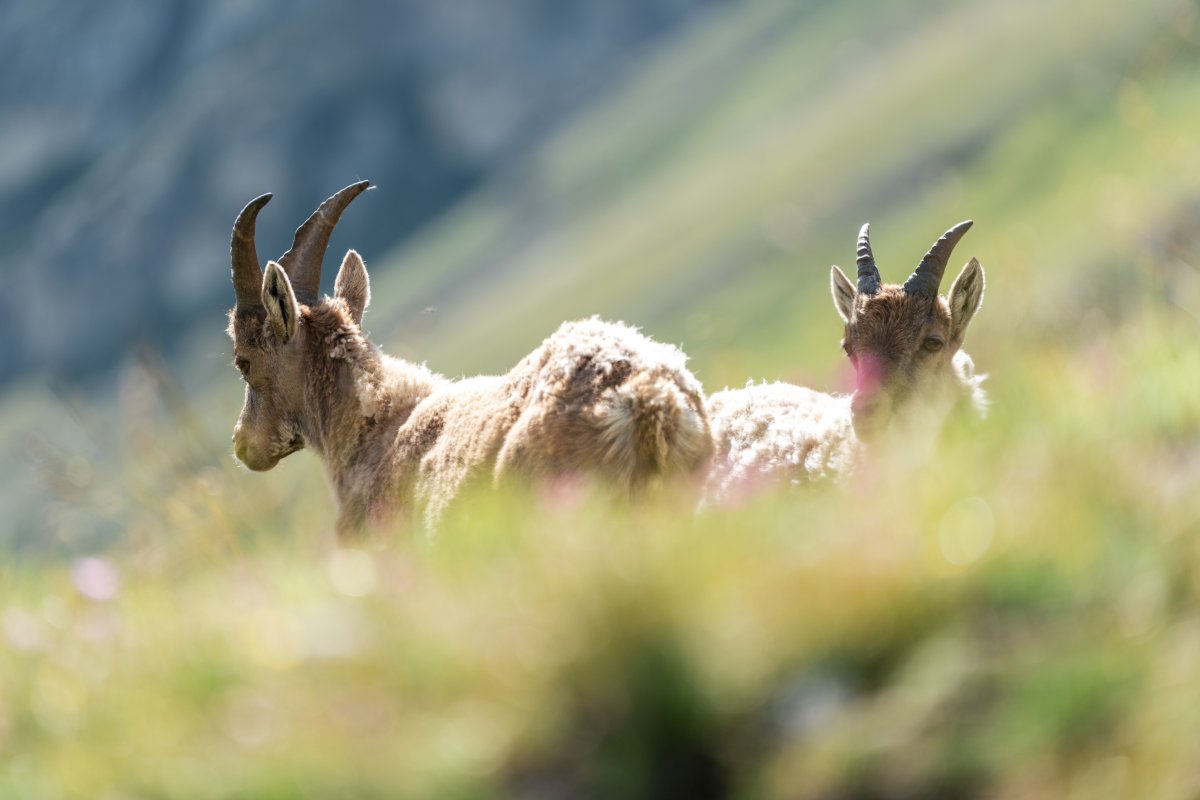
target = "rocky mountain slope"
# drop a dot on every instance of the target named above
(132, 133)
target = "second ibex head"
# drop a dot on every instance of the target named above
(905, 340)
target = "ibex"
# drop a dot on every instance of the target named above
(905, 343)
(595, 398)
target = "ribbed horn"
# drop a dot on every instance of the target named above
(303, 262)
(927, 277)
(868, 273)
(247, 273)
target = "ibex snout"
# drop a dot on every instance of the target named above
(258, 459)
(871, 405)
(870, 413)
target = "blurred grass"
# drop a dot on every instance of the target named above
(1010, 614)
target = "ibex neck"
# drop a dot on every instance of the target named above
(374, 396)
(355, 392)
(953, 394)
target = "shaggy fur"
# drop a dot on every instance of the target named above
(772, 433)
(396, 439)
(776, 432)
(910, 371)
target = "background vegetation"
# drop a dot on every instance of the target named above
(1011, 614)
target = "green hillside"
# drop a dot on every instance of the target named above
(1010, 614)
(707, 199)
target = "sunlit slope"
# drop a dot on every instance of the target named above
(707, 196)
(1013, 619)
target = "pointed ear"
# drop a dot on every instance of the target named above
(352, 285)
(282, 309)
(843, 293)
(965, 297)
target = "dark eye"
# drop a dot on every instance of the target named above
(932, 345)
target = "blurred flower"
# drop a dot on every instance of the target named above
(965, 533)
(335, 631)
(98, 624)
(22, 630)
(563, 494)
(352, 572)
(96, 578)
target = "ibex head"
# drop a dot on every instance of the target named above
(268, 330)
(904, 341)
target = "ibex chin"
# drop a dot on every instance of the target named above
(905, 343)
(595, 398)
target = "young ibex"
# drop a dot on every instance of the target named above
(905, 344)
(595, 398)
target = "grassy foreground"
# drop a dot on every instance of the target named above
(1012, 614)
(1009, 615)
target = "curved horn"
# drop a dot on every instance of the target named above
(247, 273)
(303, 262)
(927, 277)
(868, 273)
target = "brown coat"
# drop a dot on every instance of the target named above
(594, 398)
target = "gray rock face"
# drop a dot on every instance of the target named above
(132, 133)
